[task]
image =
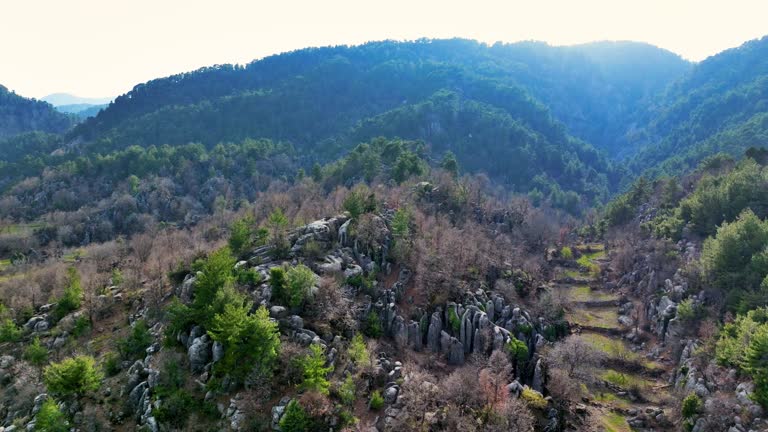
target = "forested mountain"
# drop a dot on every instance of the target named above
(19, 114)
(82, 110)
(584, 86)
(520, 113)
(540, 119)
(397, 236)
(721, 105)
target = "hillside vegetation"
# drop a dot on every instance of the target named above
(435, 235)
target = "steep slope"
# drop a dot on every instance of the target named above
(720, 106)
(514, 143)
(524, 113)
(19, 114)
(594, 89)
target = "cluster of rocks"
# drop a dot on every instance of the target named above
(650, 418)
(481, 324)
(143, 378)
(17, 389)
(727, 403)
(661, 298)
(739, 413)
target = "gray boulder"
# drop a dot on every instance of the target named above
(217, 351)
(199, 353)
(390, 395)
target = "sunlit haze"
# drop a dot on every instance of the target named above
(103, 48)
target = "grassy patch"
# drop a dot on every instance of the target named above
(613, 422)
(73, 256)
(612, 400)
(612, 348)
(20, 228)
(595, 247)
(594, 317)
(583, 293)
(616, 350)
(624, 380)
(6, 278)
(573, 274)
(587, 261)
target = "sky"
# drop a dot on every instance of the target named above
(102, 48)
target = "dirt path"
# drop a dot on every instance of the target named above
(628, 387)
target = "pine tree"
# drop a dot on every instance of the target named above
(314, 370)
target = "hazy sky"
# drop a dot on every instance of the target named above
(105, 47)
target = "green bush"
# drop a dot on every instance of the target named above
(72, 376)
(36, 354)
(372, 326)
(346, 418)
(250, 340)
(72, 297)
(277, 280)
(377, 401)
(347, 390)
(533, 399)
(454, 321)
(82, 324)
(111, 364)
(295, 419)
(744, 344)
(691, 406)
(173, 375)
(756, 364)
(180, 318)
(518, 350)
(566, 253)
(278, 223)
(117, 277)
(736, 259)
(247, 276)
(686, 311)
(9, 331)
(354, 203)
(134, 346)
(299, 282)
(315, 371)
(363, 282)
(358, 352)
(175, 410)
(50, 418)
(240, 235)
(216, 274)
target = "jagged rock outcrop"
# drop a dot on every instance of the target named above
(463, 326)
(435, 329)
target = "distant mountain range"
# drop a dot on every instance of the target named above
(64, 99)
(81, 107)
(83, 110)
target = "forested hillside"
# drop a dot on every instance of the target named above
(437, 235)
(720, 105)
(703, 281)
(325, 101)
(19, 114)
